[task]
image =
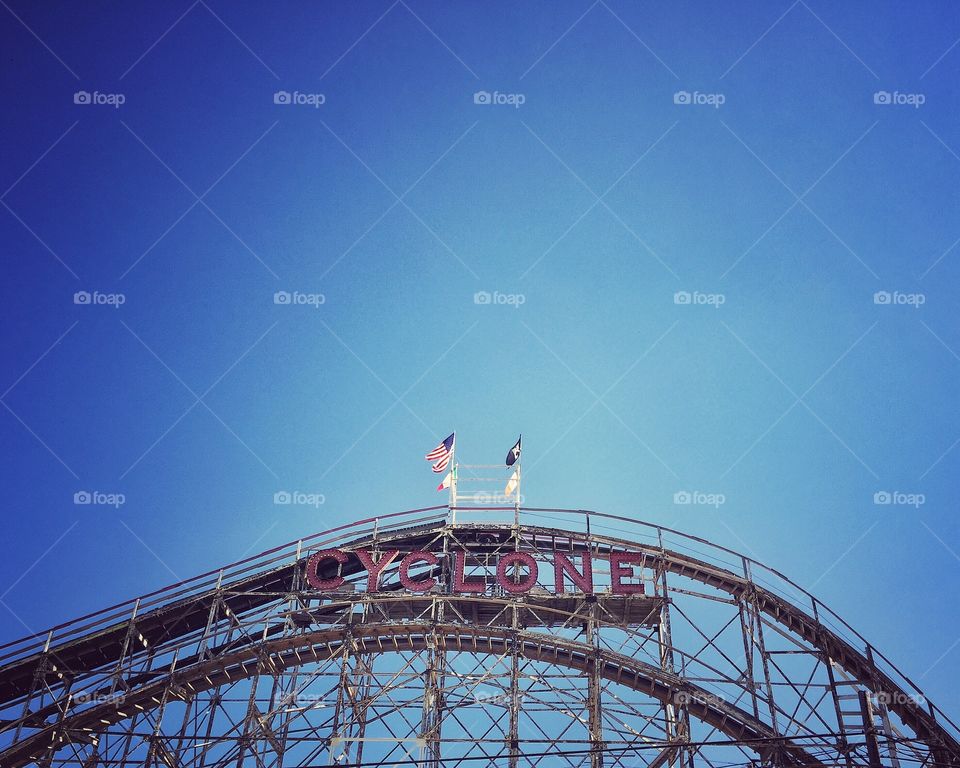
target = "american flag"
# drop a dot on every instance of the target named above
(442, 454)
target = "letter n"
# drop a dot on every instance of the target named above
(582, 581)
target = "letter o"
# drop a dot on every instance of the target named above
(526, 583)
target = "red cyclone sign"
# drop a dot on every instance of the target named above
(624, 571)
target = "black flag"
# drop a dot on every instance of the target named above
(514, 453)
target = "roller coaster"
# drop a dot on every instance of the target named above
(448, 637)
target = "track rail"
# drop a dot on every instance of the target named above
(375, 638)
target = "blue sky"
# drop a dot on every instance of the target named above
(816, 164)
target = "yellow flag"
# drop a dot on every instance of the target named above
(512, 483)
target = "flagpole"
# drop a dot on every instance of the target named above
(516, 507)
(453, 486)
(453, 489)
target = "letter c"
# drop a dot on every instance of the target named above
(313, 563)
(417, 585)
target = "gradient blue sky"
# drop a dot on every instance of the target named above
(798, 399)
